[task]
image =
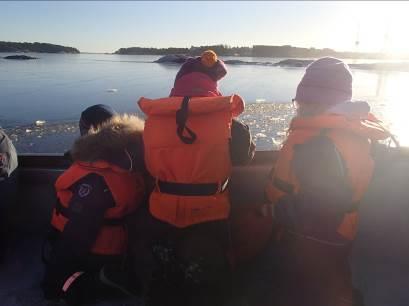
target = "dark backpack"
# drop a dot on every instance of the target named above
(325, 194)
(242, 147)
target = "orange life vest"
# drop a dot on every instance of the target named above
(351, 137)
(187, 151)
(127, 189)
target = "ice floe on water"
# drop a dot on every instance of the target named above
(260, 135)
(268, 123)
(40, 122)
(44, 138)
(112, 90)
(260, 100)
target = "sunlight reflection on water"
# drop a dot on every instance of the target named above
(387, 94)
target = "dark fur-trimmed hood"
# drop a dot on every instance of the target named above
(118, 141)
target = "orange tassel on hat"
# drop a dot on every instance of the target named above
(208, 58)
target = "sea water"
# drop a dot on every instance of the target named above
(41, 100)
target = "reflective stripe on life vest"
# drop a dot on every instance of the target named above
(187, 150)
(127, 189)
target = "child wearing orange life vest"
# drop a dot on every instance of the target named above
(321, 174)
(103, 186)
(198, 77)
(198, 229)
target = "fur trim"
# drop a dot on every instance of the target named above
(116, 141)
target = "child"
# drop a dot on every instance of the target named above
(90, 119)
(189, 149)
(321, 174)
(198, 77)
(103, 186)
(94, 116)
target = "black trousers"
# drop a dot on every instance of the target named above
(87, 288)
(189, 265)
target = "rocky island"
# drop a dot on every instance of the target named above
(19, 57)
(7, 46)
(172, 59)
(293, 63)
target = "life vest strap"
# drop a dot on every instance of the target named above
(283, 185)
(64, 211)
(192, 189)
(181, 119)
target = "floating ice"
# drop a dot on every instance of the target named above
(276, 142)
(260, 100)
(112, 90)
(261, 135)
(40, 122)
(266, 121)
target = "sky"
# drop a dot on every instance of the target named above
(105, 26)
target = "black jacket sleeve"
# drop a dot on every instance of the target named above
(91, 198)
(242, 147)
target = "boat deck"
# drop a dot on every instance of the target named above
(22, 270)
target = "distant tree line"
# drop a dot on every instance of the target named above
(255, 51)
(193, 50)
(294, 52)
(223, 50)
(152, 51)
(7, 46)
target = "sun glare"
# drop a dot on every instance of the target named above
(396, 112)
(382, 25)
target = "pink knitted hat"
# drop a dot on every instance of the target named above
(327, 80)
(198, 76)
